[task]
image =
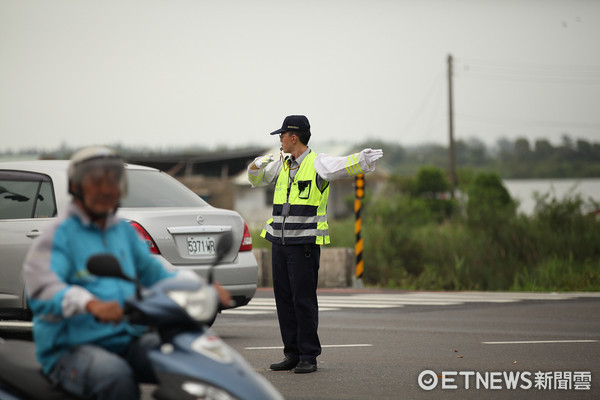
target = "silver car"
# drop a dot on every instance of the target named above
(179, 227)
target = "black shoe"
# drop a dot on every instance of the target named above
(286, 365)
(305, 367)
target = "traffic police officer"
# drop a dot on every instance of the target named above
(297, 230)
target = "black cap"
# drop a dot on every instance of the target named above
(294, 123)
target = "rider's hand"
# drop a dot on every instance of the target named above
(224, 296)
(105, 311)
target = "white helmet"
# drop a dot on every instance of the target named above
(92, 158)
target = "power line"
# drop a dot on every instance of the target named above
(528, 66)
(529, 79)
(537, 73)
(433, 88)
(528, 123)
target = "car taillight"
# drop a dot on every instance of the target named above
(246, 239)
(145, 237)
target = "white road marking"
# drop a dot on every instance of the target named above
(397, 300)
(542, 341)
(329, 302)
(324, 346)
(249, 310)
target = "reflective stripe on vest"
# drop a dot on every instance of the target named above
(307, 218)
(296, 219)
(295, 233)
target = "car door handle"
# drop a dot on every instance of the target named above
(33, 234)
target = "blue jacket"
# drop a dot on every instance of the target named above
(59, 286)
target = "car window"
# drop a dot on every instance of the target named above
(26, 195)
(157, 189)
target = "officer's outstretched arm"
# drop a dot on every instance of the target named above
(332, 168)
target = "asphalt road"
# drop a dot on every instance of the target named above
(379, 353)
(376, 345)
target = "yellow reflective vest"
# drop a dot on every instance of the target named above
(299, 207)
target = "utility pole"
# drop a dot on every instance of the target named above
(451, 167)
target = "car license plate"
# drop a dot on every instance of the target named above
(201, 245)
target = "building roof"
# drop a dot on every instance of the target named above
(214, 164)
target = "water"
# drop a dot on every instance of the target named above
(523, 190)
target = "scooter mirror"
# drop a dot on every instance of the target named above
(225, 243)
(223, 247)
(106, 265)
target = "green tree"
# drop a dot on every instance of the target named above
(488, 201)
(522, 150)
(543, 150)
(585, 150)
(431, 182)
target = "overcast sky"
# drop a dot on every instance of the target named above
(177, 73)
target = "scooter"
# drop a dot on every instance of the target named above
(192, 362)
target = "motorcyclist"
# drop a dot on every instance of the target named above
(81, 340)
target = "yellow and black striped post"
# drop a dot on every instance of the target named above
(359, 182)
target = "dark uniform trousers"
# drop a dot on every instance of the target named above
(295, 277)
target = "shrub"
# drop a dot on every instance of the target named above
(489, 203)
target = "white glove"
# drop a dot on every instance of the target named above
(371, 156)
(264, 161)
